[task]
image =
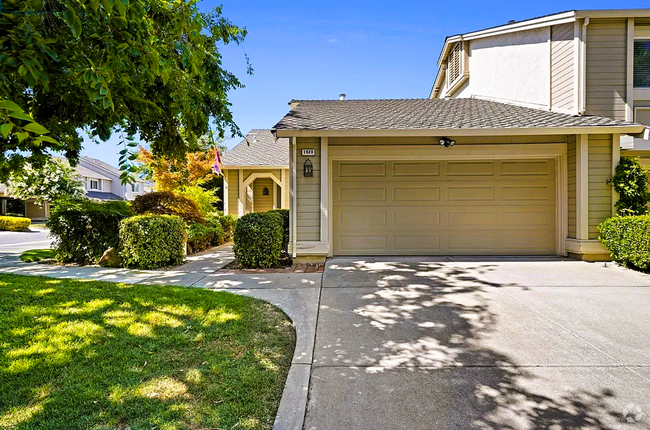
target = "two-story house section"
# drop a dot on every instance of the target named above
(102, 181)
(582, 62)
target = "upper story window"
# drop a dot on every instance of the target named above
(454, 64)
(642, 63)
(95, 184)
(135, 188)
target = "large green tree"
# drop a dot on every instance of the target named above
(147, 67)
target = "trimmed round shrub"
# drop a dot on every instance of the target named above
(284, 213)
(628, 240)
(84, 229)
(168, 203)
(258, 240)
(152, 241)
(14, 223)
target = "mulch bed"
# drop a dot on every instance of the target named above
(287, 266)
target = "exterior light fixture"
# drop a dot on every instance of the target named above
(265, 191)
(446, 142)
(308, 168)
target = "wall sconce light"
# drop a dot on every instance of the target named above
(308, 168)
(265, 191)
(446, 142)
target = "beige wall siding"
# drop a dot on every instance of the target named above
(34, 211)
(606, 68)
(562, 67)
(308, 189)
(600, 170)
(572, 181)
(262, 203)
(233, 192)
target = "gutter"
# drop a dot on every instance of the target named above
(583, 68)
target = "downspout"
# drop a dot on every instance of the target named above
(583, 68)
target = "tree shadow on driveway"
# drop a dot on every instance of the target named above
(429, 344)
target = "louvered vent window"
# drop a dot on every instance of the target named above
(642, 63)
(454, 64)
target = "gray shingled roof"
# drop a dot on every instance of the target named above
(102, 196)
(426, 114)
(259, 148)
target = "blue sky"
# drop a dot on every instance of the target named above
(366, 49)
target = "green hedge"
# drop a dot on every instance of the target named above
(258, 240)
(201, 237)
(83, 229)
(152, 241)
(284, 213)
(628, 240)
(228, 222)
(218, 235)
(12, 223)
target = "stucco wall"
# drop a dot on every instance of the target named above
(503, 67)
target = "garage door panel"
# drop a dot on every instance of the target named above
(418, 208)
(411, 168)
(470, 168)
(416, 192)
(356, 170)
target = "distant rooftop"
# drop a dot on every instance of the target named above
(259, 148)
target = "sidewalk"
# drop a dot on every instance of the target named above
(297, 294)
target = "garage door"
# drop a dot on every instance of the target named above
(499, 207)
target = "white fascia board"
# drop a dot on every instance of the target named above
(455, 132)
(613, 13)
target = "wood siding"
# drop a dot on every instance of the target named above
(562, 67)
(600, 192)
(233, 192)
(606, 68)
(262, 203)
(572, 181)
(308, 192)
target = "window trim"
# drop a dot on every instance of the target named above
(463, 65)
(99, 184)
(640, 38)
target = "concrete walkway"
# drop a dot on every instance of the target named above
(297, 294)
(424, 343)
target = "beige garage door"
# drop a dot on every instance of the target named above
(444, 207)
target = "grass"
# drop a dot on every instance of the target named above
(97, 355)
(34, 255)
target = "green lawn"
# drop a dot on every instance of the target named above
(34, 255)
(98, 355)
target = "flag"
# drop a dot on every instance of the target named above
(216, 168)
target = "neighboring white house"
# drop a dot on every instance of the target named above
(100, 181)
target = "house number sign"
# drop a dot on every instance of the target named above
(308, 152)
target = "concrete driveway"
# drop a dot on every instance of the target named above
(474, 343)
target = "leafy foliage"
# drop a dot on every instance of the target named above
(83, 229)
(258, 240)
(200, 237)
(172, 174)
(628, 240)
(54, 180)
(146, 67)
(227, 222)
(284, 213)
(152, 241)
(11, 223)
(168, 203)
(205, 199)
(631, 183)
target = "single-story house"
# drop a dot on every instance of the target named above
(448, 176)
(256, 174)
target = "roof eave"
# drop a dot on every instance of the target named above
(453, 132)
(613, 13)
(255, 166)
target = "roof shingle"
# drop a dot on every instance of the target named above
(259, 148)
(425, 114)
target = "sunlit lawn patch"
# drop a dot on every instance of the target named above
(34, 255)
(97, 355)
